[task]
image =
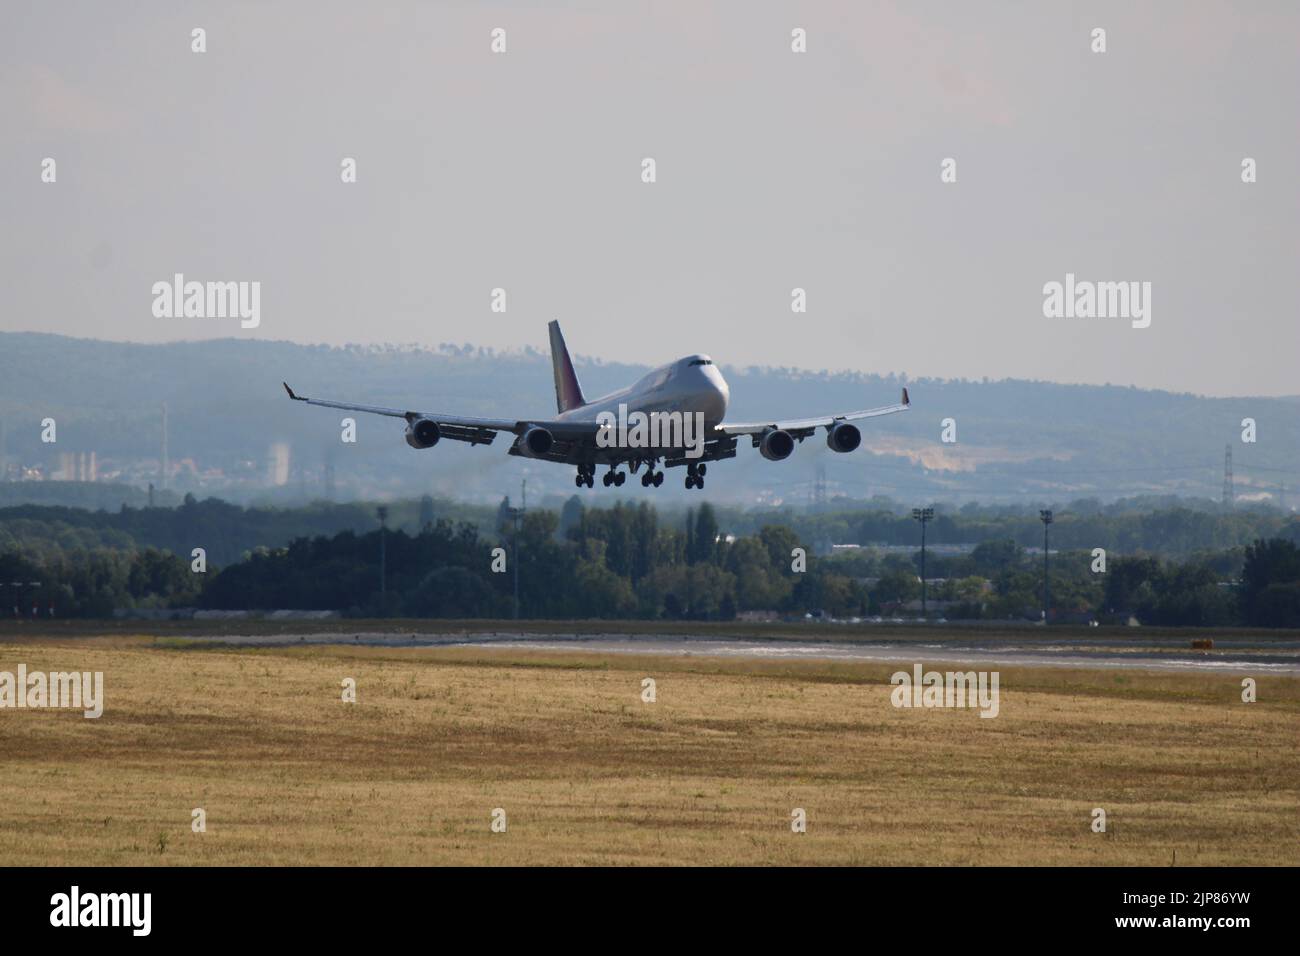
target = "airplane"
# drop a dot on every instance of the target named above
(689, 385)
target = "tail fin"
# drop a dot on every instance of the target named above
(568, 393)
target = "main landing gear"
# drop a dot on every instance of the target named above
(586, 476)
(695, 475)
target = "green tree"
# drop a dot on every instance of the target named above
(706, 534)
(780, 542)
(897, 586)
(1270, 584)
(993, 557)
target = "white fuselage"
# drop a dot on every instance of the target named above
(691, 384)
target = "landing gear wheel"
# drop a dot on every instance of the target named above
(647, 478)
(619, 478)
(659, 478)
(579, 480)
(608, 479)
(702, 470)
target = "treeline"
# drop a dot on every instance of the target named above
(95, 582)
(228, 532)
(629, 562)
(1170, 530)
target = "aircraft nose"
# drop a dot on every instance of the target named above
(717, 395)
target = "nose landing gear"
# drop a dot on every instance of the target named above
(585, 476)
(695, 475)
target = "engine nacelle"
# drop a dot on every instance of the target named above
(536, 442)
(843, 437)
(423, 433)
(776, 445)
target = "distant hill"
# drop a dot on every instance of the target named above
(1017, 440)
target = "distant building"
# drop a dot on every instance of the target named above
(277, 466)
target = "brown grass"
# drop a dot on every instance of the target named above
(588, 774)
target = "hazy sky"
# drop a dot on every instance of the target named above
(775, 170)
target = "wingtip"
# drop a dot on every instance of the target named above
(906, 400)
(289, 390)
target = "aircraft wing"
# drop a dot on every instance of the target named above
(477, 431)
(803, 427)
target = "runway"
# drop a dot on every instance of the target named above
(1247, 658)
(929, 653)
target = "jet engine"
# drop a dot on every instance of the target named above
(843, 437)
(536, 442)
(423, 433)
(776, 445)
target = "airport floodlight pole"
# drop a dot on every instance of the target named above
(1045, 516)
(382, 512)
(923, 515)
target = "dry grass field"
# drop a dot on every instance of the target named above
(589, 774)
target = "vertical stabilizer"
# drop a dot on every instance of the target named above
(568, 393)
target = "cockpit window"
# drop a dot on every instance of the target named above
(702, 362)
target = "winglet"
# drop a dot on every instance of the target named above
(291, 394)
(906, 400)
